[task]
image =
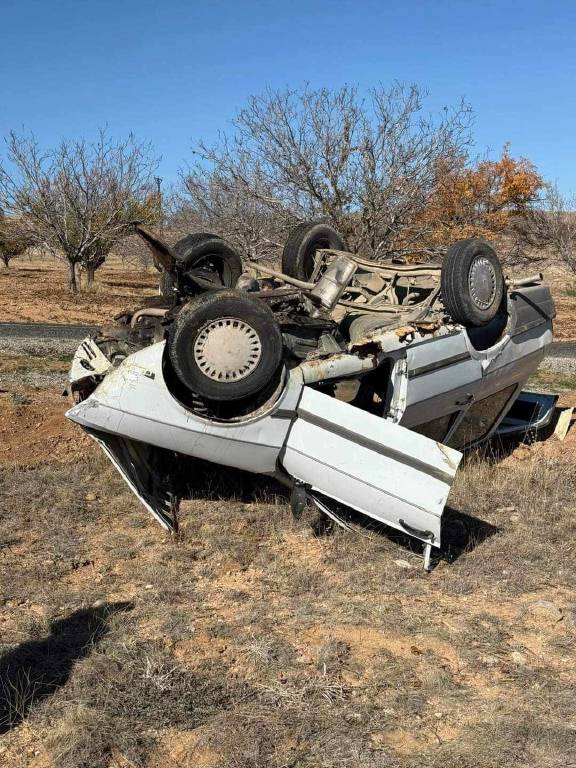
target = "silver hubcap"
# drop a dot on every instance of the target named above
(482, 282)
(227, 349)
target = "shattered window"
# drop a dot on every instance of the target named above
(435, 429)
(480, 417)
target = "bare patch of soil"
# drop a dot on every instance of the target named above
(36, 291)
(33, 430)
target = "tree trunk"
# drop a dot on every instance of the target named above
(90, 270)
(72, 284)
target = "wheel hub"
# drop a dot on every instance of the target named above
(227, 349)
(482, 282)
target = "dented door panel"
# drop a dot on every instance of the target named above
(381, 469)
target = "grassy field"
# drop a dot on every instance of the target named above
(255, 641)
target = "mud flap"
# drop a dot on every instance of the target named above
(376, 467)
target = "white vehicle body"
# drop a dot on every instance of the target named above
(367, 463)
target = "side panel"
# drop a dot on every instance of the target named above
(133, 402)
(381, 469)
(442, 376)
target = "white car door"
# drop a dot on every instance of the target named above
(379, 468)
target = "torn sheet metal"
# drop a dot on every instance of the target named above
(88, 360)
(134, 402)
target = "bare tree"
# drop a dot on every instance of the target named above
(13, 240)
(212, 203)
(79, 199)
(366, 165)
(549, 226)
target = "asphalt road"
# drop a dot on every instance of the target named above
(563, 349)
(44, 331)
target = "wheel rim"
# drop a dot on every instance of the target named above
(482, 282)
(227, 349)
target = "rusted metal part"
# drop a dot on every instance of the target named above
(278, 293)
(280, 275)
(337, 366)
(405, 332)
(406, 270)
(522, 281)
(147, 312)
(163, 256)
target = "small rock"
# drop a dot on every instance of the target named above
(97, 603)
(544, 609)
(90, 497)
(403, 564)
(506, 509)
(438, 715)
(517, 657)
(148, 586)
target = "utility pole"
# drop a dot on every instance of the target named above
(158, 181)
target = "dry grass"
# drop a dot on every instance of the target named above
(255, 642)
(549, 380)
(252, 642)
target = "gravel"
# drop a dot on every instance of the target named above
(33, 379)
(559, 364)
(38, 347)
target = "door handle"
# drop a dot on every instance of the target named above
(427, 535)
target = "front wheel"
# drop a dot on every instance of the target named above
(225, 345)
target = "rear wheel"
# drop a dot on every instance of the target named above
(207, 260)
(302, 244)
(472, 282)
(225, 345)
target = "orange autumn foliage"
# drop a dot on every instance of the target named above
(479, 201)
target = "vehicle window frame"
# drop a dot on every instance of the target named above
(462, 414)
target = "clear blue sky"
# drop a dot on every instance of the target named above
(176, 71)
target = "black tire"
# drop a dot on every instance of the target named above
(197, 345)
(303, 242)
(472, 282)
(209, 257)
(167, 284)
